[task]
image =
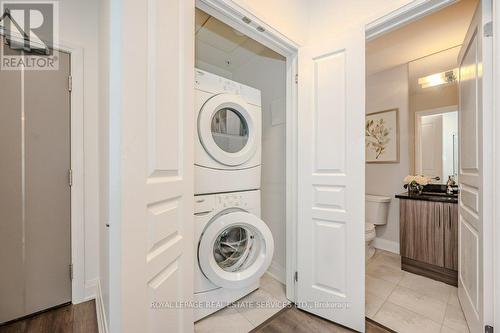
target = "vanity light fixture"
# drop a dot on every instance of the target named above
(439, 78)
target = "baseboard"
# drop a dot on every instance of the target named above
(386, 245)
(90, 289)
(102, 324)
(277, 272)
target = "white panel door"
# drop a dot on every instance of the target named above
(157, 142)
(475, 225)
(331, 250)
(430, 146)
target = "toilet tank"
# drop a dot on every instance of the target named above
(376, 209)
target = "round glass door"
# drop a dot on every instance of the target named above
(235, 250)
(232, 248)
(227, 129)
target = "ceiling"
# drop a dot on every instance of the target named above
(222, 46)
(433, 33)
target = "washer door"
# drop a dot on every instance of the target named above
(235, 250)
(227, 129)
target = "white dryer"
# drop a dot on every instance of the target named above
(234, 248)
(229, 129)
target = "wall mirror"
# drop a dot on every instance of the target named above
(433, 85)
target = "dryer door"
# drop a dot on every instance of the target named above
(227, 129)
(235, 250)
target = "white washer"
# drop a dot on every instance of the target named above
(234, 248)
(229, 128)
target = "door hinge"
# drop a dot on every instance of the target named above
(488, 329)
(296, 276)
(70, 83)
(296, 78)
(71, 271)
(488, 29)
(70, 177)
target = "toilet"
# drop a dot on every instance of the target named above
(376, 212)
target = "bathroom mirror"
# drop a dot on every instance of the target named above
(433, 91)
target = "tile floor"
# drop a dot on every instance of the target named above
(402, 301)
(407, 302)
(249, 312)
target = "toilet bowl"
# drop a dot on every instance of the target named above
(376, 212)
(369, 237)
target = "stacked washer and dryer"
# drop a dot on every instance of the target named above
(233, 246)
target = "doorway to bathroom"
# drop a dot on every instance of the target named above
(239, 56)
(423, 172)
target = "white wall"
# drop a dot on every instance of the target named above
(329, 17)
(104, 41)
(268, 74)
(388, 90)
(79, 26)
(289, 17)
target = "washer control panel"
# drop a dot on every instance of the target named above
(246, 200)
(227, 200)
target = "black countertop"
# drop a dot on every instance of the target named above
(439, 197)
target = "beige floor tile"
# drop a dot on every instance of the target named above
(379, 287)
(453, 300)
(387, 258)
(384, 271)
(454, 318)
(405, 321)
(258, 306)
(420, 303)
(438, 290)
(224, 321)
(274, 287)
(372, 304)
(445, 329)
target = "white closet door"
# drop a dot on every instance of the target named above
(475, 221)
(156, 80)
(331, 249)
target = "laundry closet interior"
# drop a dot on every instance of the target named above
(240, 168)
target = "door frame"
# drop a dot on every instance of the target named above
(232, 14)
(81, 290)
(380, 24)
(418, 115)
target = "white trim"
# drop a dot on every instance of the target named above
(386, 245)
(444, 109)
(91, 289)
(277, 272)
(231, 13)
(78, 169)
(102, 325)
(496, 165)
(404, 15)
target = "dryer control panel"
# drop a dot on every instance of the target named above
(216, 84)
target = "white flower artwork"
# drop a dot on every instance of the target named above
(382, 137)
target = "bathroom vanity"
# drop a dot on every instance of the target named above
(429, 235)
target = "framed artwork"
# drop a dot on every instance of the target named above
(382, 137)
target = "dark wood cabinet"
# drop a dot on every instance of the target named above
(451, 236)
(429, 239)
